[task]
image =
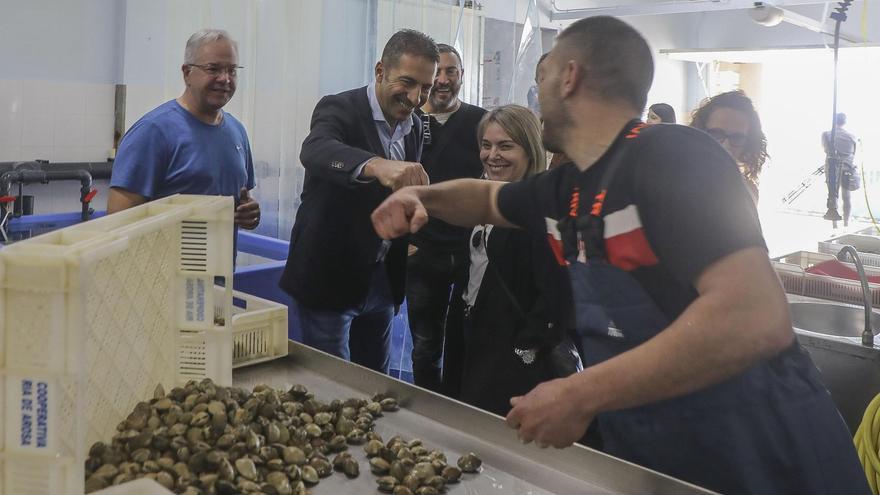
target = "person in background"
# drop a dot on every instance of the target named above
(841, 175)
(438, 253)
(731, 119)
(691, 366)
(190, 145)
(660, 113)
(508, 325)
(346, 282)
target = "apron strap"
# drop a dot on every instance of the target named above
(584, 231)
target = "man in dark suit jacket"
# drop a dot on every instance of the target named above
(439, 253)
(364, 143)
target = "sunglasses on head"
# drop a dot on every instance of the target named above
(736, 139)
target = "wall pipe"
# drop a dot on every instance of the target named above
(26, 176)
(98, 170)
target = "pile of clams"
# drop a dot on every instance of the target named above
(204, 439)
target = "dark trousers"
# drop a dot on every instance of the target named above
(430, 279)
(837, 186)
(360, 334)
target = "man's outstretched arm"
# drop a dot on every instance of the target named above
(463, 202)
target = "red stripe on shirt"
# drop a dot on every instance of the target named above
(630, 250)
(556, 248)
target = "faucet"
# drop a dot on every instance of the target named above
(867, 333)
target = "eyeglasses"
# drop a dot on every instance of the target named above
(736, 139)
(215, 70)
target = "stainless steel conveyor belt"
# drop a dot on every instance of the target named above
(509, 467)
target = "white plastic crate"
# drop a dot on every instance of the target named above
(93, 317)
(141, 486)
(259, 330)
(791, 269)
(868, 247)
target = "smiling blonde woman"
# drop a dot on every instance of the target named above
(506, 306)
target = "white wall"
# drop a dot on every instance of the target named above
(670, 76)
(70, 40)
(59, 63)
(671, 82)
(514, 10)
(348, 68)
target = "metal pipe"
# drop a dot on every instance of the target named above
(99, 170)
(868, 332)
(27, 176)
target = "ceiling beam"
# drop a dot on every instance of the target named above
(648, 7)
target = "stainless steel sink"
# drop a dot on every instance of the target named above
(850, 370)
(831, 319)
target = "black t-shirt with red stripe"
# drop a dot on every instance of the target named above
(677, 203)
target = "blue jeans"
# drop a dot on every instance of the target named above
(360, 334)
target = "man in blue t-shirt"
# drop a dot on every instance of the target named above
(190, 145)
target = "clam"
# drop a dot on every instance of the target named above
(310, 475)
(337, 444)
(201, 439)
(373, 447)
(389, 404)
(321, 466)
(437, 482)
(399, 469)
(423, 470)
(293, 455)
(469, 463)
(165, 479)
(107, 471)
(386, 483)
(350, 467)
(246, 468)
(95, 483)
(379, 465)
(451, 473)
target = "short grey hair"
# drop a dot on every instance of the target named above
(202, 37)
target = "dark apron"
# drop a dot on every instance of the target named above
(771, 429)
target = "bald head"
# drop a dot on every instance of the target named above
(616, 60)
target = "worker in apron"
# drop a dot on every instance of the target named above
(691, 366)
(756, 432)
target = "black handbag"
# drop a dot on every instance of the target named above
(563, 359)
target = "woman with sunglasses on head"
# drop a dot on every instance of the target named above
(510, 316)
(731, 119)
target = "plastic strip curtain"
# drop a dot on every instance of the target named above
(863, 25)
(523, 90)
(458, 39)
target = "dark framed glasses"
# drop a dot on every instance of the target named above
(736, 139)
